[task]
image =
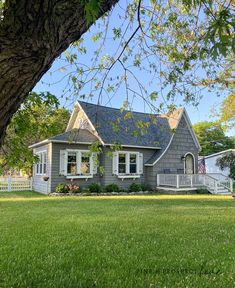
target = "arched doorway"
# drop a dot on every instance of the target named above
(189, 164)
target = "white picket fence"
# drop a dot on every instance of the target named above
(8, 184)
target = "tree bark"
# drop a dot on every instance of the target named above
(32, 35)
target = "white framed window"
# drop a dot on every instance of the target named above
(41, 165)
(127, 164)
(77, 163)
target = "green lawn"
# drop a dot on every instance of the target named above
(125, 241)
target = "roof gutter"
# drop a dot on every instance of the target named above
(136, 146)
(47, 141)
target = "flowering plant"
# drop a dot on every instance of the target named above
(73, 188)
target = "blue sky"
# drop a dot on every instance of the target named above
(56, 81)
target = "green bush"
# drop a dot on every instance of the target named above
(112, 188)
(62, 188)
(95, 188)
(202, 191)
(145, 187)
(134, 187)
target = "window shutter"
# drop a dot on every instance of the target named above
(141, 163)
(115, 163)
(63, 162)
(94, 163)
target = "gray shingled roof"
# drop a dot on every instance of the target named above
(76, 135)
(105, 118)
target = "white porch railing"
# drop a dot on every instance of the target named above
(195, 181)
(8, 184)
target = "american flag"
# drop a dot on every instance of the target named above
(202, 166)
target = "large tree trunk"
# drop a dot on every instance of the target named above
(32, 34)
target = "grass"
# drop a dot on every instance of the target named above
(124, 241)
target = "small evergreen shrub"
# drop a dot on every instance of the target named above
(134, 187)
(112, 188)
(202, 191)
(95, 188)
(62, 188)
(145, 187)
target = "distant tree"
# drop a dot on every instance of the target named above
(227, 161)
(38, 118)
(227, 111)
(212, 137)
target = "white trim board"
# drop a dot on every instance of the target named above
(135, 146)
(47, 141)
(216, 154)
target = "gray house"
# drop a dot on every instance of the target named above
(126, 153)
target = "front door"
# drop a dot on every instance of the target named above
(189, 164)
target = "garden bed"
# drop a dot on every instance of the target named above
(101, 194)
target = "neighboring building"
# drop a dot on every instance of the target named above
(209, 163)
(169, 146)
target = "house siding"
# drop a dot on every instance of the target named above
(39, 185)
(109, 178)
(56, 178)
(181, 144)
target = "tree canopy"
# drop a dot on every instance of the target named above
(212, 137)
(227, 161)
(170, 40)
(38, 119)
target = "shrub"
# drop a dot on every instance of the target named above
(95, 188)
(134, 187)
(202, 191)
(145, 187)
(62, 188)
(112, 188)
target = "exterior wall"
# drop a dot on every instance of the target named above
(39, 185)
(109, 178)
(56, 178)
(181, 144)
(211, 166)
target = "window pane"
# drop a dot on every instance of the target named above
(132, 168)
(122, 168)
(85, 164)
(40, 168)
(44, 168)
(72, 163)
(37, 167)
(72, 157)
(72, 168)
(122, 158)
(132, 158)
(44, 157)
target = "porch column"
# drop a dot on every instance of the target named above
(231, 185)
(158, 180)
(177, 181)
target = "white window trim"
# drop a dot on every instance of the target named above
(41, 163)
(128, 174)
(78, 158)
